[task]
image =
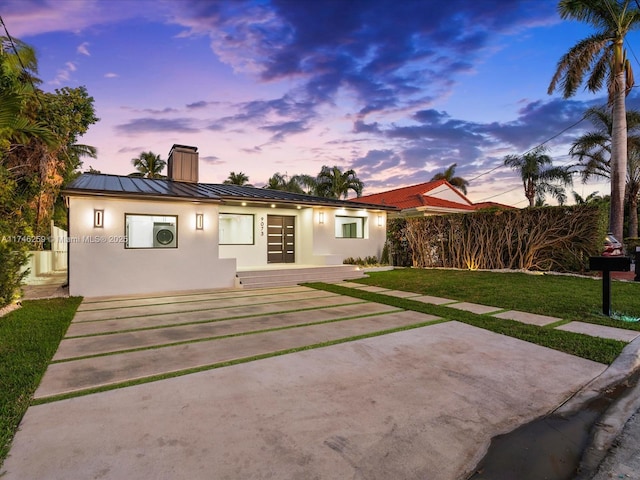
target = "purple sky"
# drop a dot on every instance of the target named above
(397, 90)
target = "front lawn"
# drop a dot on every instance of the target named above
(566, 297)
(29, 338)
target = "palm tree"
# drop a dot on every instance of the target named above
(449, 175)
(593, 197)
(237, 179)
(539, 176)
(601, 57)
(593, 150)
(308, 183)
(148, 165)
(333, 183)
(282, 182)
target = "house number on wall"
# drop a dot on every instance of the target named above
(262, 226)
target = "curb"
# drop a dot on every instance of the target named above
(610, 425)
(622, 367)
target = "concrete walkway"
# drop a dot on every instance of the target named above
(370, 408)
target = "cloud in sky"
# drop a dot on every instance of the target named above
(378, 85)
(83, 49)
(156, 125)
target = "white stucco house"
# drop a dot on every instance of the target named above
(131, 235)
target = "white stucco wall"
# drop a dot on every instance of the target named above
(326, 243)
(316, 244)
(100, 264)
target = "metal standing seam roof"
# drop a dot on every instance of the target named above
(116, 185)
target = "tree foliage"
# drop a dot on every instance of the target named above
(39, 152)
(593, 151)
(599, 60)
(450, 176)
(539, 176)
(239, 178)
(148, 165)
(331, 182)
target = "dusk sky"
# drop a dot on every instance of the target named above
(396, 90)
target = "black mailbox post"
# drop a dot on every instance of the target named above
(607, 265)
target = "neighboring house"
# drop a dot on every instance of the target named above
(430, 198)
(132, 235)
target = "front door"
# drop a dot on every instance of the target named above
(281, 239)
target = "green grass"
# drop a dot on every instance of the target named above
(566, 297)
(29, 338)
(592, 348)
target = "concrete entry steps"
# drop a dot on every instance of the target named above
(167, 343)
(287, 275)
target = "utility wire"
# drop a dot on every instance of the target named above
(575, 124)
(24, 69)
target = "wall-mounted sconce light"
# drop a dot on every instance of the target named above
(380, 220)
(244, 204)
(98, 218)
(199, 221)
(321, 218)
(273, 205)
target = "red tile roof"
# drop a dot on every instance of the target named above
(416, 196)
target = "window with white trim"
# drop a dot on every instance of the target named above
(350, 227)
(236, 229)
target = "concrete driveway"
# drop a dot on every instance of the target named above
(421, 403)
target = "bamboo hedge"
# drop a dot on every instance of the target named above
(547, 238)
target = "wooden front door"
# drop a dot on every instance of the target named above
(281, 239)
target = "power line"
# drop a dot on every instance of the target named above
(575, 124)
(24, 69)
(533, 148)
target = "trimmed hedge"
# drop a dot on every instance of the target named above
(547, 238)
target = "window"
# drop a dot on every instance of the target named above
(151, 231)
(350, 227)
(236, 229)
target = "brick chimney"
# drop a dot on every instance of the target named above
(182, 165)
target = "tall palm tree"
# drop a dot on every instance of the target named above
(334, 183)
(278, 181)
(308, 183)
(598, 58)
(539, 176)
(239, 178)
(449, 175)
(148, 165)
(593, 150)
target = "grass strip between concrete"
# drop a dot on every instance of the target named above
(173, 313)
(592, 348)
(195, 322)
(231, 335)
(203, 368)
(213, 298)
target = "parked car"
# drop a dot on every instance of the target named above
(612, 247)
